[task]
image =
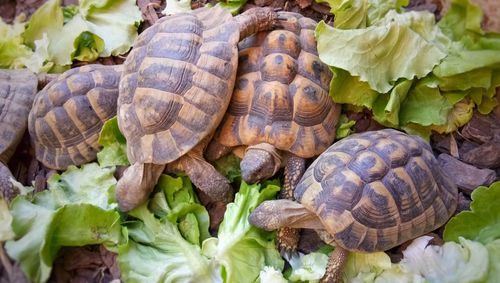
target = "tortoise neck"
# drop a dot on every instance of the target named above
(256, 20)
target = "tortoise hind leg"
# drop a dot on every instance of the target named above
(288, 238)
(335, 267)
(137, 182)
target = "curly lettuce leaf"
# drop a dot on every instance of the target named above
(238, 241)
(114, 145)
(404, 45)
(229, 166)
(157, 252)
(234, 6)
(177, 6)
(6, 232)
(482, 222)
(349, 14)
(177, 201)
(75, 211)
(494, 254)
(11, 44)
(98, 28)
(309, 267)
(465, 261)
(344, 128)
(89, 184)
(348, 89)
(270, 274)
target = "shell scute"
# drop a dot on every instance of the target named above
(375, 190)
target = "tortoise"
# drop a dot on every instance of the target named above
(17, 90)
(68, 114)
(176, 86)
(368, 192)
(280, 109)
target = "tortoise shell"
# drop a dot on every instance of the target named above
(177, 83)
(376, 190)
(281, 93)
(68, 114)
(17, 91)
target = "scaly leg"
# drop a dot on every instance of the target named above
(288, 238)
(335, 267)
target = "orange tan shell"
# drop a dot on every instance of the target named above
(68, 114)
(177, 84)
(281, 93)
(17, 91)
(376, 190)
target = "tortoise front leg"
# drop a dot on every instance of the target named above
(288, 238)
(335, 267)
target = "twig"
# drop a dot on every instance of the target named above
(4, 259)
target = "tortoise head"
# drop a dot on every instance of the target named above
(260, 162)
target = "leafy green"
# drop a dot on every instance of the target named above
(366, 266)
(465, 261)
(349, 14)
(344, 128)
(177, 6)
(75, 211)
(229, 166)
(494, 254)
(482, 222)
(6, 232)
(345, 88)
(400, 44)
(309, 267)
(270, 274)
(157, 252)
(177, 201)
(238, 241)
(114, 145)
(11, 44)
(234, 6)
(164, 240)
(93, 29)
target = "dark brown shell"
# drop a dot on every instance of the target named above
(177, 84)
(17, 91)
(281, 94)
(69, 112)
(376, 190)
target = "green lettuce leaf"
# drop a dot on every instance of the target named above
(229, 166)
(494, 267)
(114, 145)
(270, 274)
(377, 9)
(89, 184)
(157, 252)
(75, 211)
(404, 45)
(482, 222)
(37, 61)
(309, 267)
(465, 261)
(177, 6)
(348, 89)
(344, 128)
(11, 44)
(349, 14)
(238, 241)
(234, 6)
(6, 232)
(425, 106)
(365, 267)
(98, 28)
(177, 201)
(387, 106)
